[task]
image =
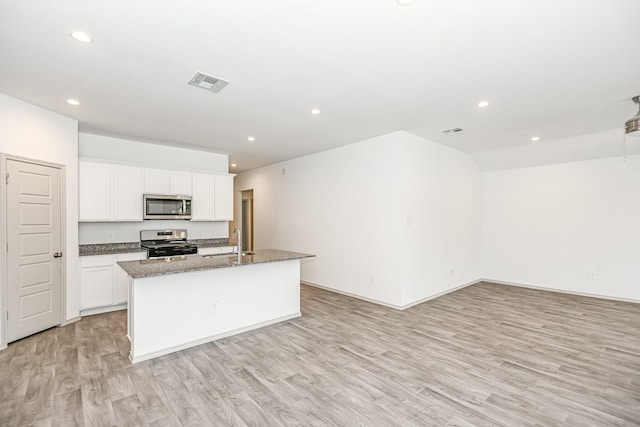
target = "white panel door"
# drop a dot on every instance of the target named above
(34, 248)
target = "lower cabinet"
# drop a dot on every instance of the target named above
(103, 282)
(121, 294)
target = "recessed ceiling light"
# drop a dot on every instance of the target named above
(251, 139)
(483, 104)
(405, 2)
(81, 37)
(535, 138)
(315, 111)
(73, 102)
(233, 165)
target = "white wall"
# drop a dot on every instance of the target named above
(153, 155)
(550, 226)
(597, 145)
(119, 232)
(441, 198)
(387, 217)
(30, 131)
(117, 150)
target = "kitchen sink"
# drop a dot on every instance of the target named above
(227, 254)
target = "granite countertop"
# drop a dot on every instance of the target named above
(130, 247)
(110, 248)
(183, 264)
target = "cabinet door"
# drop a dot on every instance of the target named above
(202, 199)
(157, 181)
(180, 183)
(223, 202)
(95, 191)
(121, 291)
(97, 281)
(127, 193)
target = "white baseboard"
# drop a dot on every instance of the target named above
(386, 304)
(500, 282)
(360, 297)
(212, 338)
(561, 291)
(101, 310)
(70, 321)
(448, 291)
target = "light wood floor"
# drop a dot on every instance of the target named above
(487, 355)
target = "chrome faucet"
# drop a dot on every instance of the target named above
(238, 234)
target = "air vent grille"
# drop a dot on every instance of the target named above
(452, 131)
(210, 83)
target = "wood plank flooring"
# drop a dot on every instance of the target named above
(486, 355)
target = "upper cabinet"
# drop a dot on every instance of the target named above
(95, 191)
(127, 193)
(203, 197)
(109, 192)
(113, 192)
(223, 203)
(212, 197)
(164, 181)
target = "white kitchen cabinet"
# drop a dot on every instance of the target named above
(96, 276)
(95, 191)
(180, 183)
(157, 181)
(127, 193)
(165, 181)
(212, 198)
(203, 186)
(223, 202)
(109, 192)
(103, 282)
(121, 286)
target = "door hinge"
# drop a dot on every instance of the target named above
(7, 177)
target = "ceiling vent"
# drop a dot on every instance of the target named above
(452, 131)
(205, 81)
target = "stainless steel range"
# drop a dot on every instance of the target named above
(166, 243)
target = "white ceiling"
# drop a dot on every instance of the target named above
(550, 68)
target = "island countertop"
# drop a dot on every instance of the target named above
(183, 264)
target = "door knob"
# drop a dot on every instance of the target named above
(57, 254)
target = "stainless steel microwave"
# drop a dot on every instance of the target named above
(166, 206)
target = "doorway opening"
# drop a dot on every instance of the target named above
(247, 220)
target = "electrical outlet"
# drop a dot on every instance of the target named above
(592, 275)
(372, 279)
(215, 306)
(110, 236)
(452, 271)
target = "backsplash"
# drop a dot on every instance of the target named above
(116, 232)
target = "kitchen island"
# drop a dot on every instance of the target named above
(182, 302)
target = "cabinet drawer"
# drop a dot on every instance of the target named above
(96, 261)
